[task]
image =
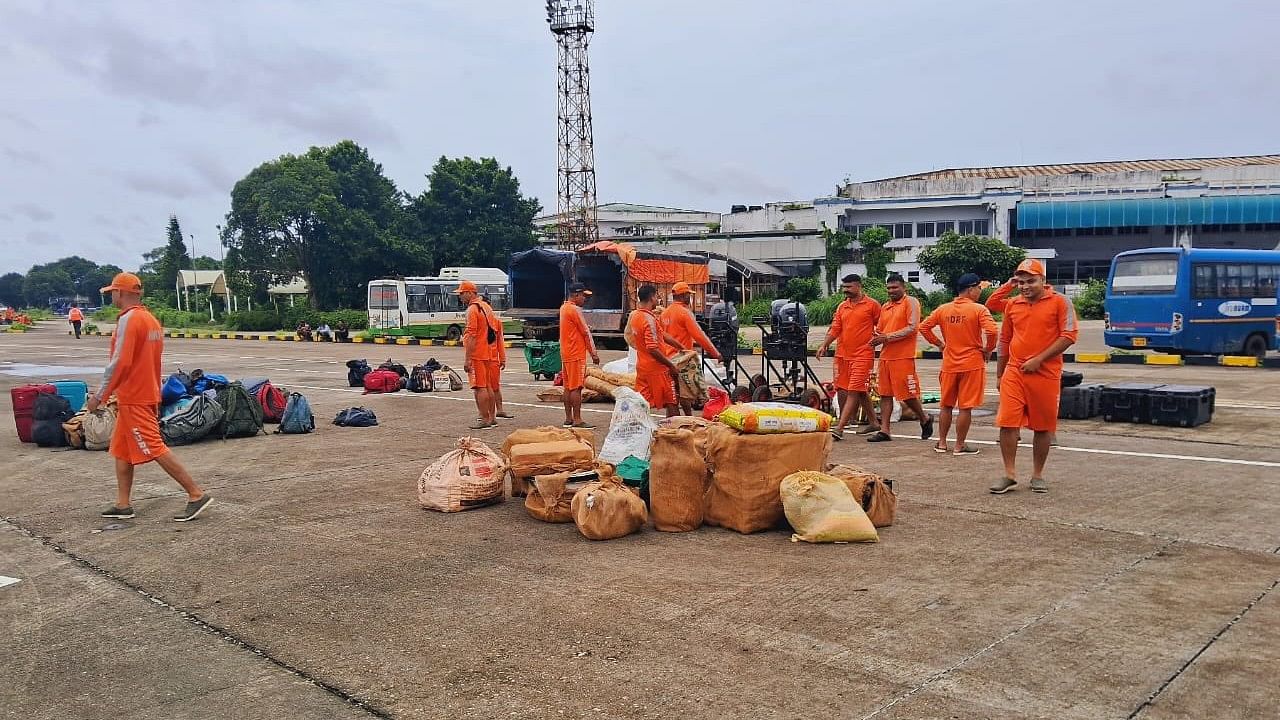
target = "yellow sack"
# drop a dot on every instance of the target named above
(762, 418)
(821, 509)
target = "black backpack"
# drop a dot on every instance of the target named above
(356, 417)
(422, 379)
(242, 415)
(394, 367)
(356, 370)
(47, 416)
(192, 423)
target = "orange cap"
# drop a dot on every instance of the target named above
(1030, 266)
(681, 288)
(466, 286)
(124, 282)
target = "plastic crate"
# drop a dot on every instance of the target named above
(1080, 402)
(1182, 405)
(1127, 402)
(543, 358)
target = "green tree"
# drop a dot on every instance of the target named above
(474, 212)
(837, 244)
(875, 256)
(11, 292)
(173, 257)
(45, 282)
(204, 262)
(954, 255)
(1089, 302)
(803, 290)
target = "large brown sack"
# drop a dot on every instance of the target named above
(875, 493)
(548, 458)
(462, 479)
(607, 509)
(678, 479)
(695, 424)
(614, 379)
(597, 385)
(746, 471)
(821, 509)
(546, 433)
(550, 497)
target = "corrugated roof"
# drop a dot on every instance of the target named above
(1109, 166)
(632, 207)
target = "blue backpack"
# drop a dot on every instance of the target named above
(297, 418)
(175, 388)
(356, 417)
(208, 381)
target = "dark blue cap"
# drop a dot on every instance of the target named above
(967, 281)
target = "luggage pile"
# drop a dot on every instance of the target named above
(1132, 402)
(391, 376)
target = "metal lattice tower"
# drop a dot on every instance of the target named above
(572, 22)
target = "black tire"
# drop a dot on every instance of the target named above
(1256, 345)
(454, 333)
(762, 394)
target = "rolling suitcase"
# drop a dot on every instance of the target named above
(1080, 402)
(75, 391)
(1127, 402)
(24, 405)
(1182, 405)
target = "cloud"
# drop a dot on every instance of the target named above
(41, 237)
(6, 217)
(17, 120)
(30, 157)
(164, 185)
(33, 212)
(713, 178)
(147, 119)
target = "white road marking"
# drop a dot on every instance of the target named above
(6, 580)
(1127, 453)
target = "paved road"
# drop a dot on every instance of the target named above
(1143, 585)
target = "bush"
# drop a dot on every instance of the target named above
(37, 314)
(758, 307)
(107, 314)
(823, 310)
(288, 319)
(803, 290)
(91, 328)
(1089, 303)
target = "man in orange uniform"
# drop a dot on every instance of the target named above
(853, 326)
(679, 324)
(896, 333)
(575, 344)
(655, 373)
(133, 376)
(76, 318)
(968, 336)
(485, 357)
(1039, 325)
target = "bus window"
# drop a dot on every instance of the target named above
(384, 297)
(1145, 275)
(452, 303)
(417, 295)
(1235, 280)
(497, 296)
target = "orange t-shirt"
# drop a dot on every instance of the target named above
(999, 300)
(575, 335)
(899, 320)
(643, 326)
(1031, 327)
(853, 325)
(967, 330)
(133, 372)
(678, 322)
(75, 315)
(479, 315)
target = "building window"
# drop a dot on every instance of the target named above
(913, 276)
(1084, 231)
(946, 227)
(974, 227)
(901, 230)
(1134, 230)
(926, 229)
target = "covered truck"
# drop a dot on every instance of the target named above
(613, 272)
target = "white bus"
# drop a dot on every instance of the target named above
(427, 307)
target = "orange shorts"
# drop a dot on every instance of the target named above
(657, 388)
(1028, 400)
(963, 390)
(574, 373)
(854, 373)
(485, 374)
(136, 439)
(898, 379)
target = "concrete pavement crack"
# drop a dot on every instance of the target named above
(202, 624)
(1203, 648)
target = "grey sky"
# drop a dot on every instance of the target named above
(117, 114)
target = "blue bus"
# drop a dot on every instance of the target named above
(1194, 301)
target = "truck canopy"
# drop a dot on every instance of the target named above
(532, 275)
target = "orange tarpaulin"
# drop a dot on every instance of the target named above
(653, 270)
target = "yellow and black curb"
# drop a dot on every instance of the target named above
(1246, 361)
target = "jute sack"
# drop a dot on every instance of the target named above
(696, 425)
(597, 385)
(691, 384)
(550, 497)
(746, 471)
(821, 509)
(74, 429)
(613, 378)
(678, 479)
(462, 479)
(99, 425)
(548, 458)
(546, 433)
(606, 509)
(555, 394)
(872, 491)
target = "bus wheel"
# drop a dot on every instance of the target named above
(1256, 345)
(454, 333)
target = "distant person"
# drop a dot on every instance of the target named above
(1039, 325)
(485, 356)
(304, 331)
(133, 376)
(655, 373)
(576, 344)
(969, 335)
(851, 329)
(679, 323)
(896, 333)
(76, 318)
(324, 332)
(343, 333)
(499, 411)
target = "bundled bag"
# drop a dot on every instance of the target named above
(241, 413)
(821, 509)
(678, 478)
(356, 370)
(394, 367)
(48, 415)
(546, 433)
(176, 387)
(74, 430)
(455, 380)
(202, 382)
(252, 384)
(98, 426)
(382, 381)
(462, 479)
(630, 428)
(272, 399)
(717, 401)
(194, 422)
(691, 385)
(548, 458)
(606, 509)
(297, 418)
(872, 491)
(616, 379)
(355, 417)
(775, 417)
(746, 471)
(552, 394)
(550, 497)
(599, 386)
(422, 379)
(178, 406)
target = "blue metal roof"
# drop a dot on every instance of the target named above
(1227, 209)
